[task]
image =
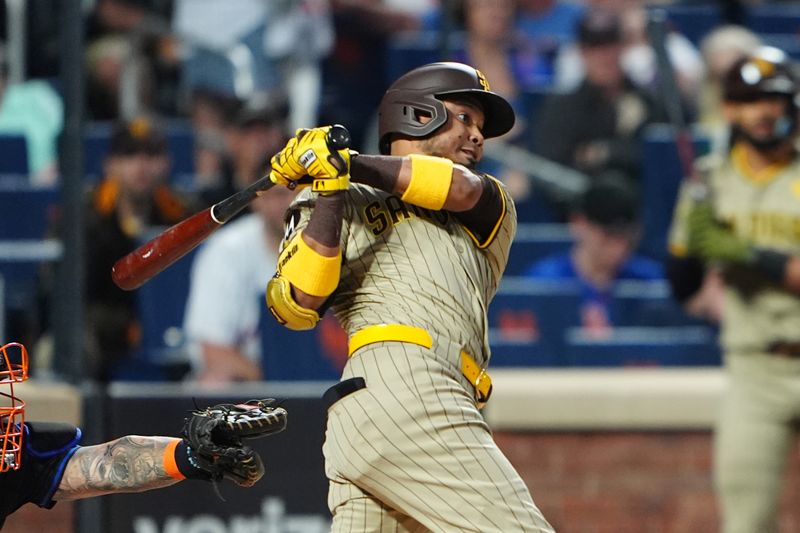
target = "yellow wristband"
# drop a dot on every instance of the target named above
(307, 270)
(430, 181)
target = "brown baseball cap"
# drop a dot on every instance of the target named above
(137, 136)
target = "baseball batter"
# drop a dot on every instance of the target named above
(408, 257)
(748, 221)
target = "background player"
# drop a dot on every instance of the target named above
(42, 462)
(748, 223)
(414, 250)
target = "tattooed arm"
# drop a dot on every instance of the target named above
(128, 464)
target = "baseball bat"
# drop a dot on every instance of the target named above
(668, 85)
(135, 269)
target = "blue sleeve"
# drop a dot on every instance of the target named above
(643, 268)
(48, 449)
(557, 267)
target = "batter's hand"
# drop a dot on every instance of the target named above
(711, 241)
(308, 159)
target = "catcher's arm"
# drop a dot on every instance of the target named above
(212, 449)
(128, 464)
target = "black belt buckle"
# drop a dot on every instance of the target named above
(342, 389)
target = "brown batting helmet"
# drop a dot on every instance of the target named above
(767, 71)
(422, 90)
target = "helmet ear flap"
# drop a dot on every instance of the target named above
(400, 113)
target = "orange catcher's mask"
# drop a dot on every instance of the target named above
(13, 369)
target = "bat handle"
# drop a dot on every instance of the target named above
(226, 209)
(338, 137)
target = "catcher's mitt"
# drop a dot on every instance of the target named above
(214, 436)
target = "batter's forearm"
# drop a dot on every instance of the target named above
(324, 229)
(322, 234)
(379, 171)
(393, 174)
(128, 464)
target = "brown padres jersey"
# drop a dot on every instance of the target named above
(408, 265)
(764, 209)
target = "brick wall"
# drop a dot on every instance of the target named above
(628, 482)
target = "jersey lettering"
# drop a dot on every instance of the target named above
(379, 216)
(376, 219)
(767, 226)
(397, 208)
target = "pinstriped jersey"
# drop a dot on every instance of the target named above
(403, 264)
(763, 209)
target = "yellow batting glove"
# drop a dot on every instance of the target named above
(308, 158)
(286, 170)
(328, 168)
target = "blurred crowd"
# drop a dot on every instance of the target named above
(241, 75)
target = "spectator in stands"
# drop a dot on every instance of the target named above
(224, 342)
(34, 110)
(226, 295)
(596, 128)
(637, 55)
(606, 227)
(500, 51)
(241, 47)
(548, 25)
(554, 18)
(211, 114)
(132, 59)
(494, 46)
(299, 37)
(105, 58)
(490, 43)
(355, 73)
(254, 132)
(721, 48)
(132, 199)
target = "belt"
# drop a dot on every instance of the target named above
(476, 375)
(789, 349)
(389, 332)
